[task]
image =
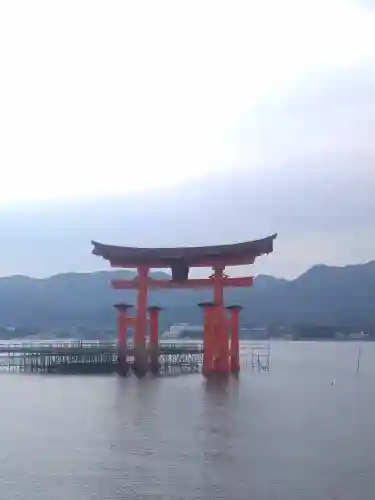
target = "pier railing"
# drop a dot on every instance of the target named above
(72, 348)
(94, 357)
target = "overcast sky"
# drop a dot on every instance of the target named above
(186, 123)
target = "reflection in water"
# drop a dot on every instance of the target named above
(284, 434)
(218, 435)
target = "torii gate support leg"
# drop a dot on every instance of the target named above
(140, 354)
(221, 363)
(154, 338)
(235, 338)
(122, 324)
(208, 337)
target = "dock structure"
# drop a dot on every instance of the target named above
(96, 357)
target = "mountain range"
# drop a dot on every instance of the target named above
(323, 295)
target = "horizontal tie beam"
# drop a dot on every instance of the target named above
(119, 284)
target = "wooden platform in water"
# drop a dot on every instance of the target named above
(94, 357)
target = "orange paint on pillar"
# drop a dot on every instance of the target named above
(235, 338)
(121, 328)
(221, 330)
(154, 325)
(154, 338)
(122, 322)
(141, 313)
(208, 336)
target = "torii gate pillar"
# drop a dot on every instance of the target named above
(154, 338)
(123, 321)
(234, 322)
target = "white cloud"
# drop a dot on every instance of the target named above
(107, 98)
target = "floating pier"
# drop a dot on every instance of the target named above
(98, 357)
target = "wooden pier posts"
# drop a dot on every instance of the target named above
(122, 322)
(92, 357)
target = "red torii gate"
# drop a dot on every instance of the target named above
(221, 334)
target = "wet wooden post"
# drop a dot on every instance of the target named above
(122, 324)
(234, 323)
(209, 347)
(154, 312)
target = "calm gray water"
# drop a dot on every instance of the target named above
(305, 430)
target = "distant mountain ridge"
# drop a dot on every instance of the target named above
(322, 295)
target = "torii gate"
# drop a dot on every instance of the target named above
(221, 334)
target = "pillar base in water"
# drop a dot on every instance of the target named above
(221, 365)
(123, 368)
(154, 362)
(234, 365)
(210, 374)
(140, 364)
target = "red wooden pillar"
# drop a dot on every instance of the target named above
(221, 327)
(208, 337)
(122, 323)
(218, 278)
(154, 325)
(140, 364)
(154, 337)
(235, 338)
(141, 314)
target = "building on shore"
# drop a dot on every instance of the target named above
(182, 331)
